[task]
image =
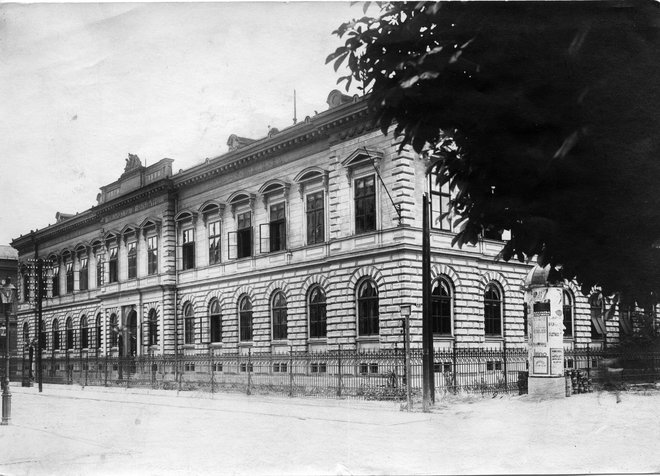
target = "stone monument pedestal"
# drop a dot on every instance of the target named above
(546, 387)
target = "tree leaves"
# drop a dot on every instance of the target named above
(543, 116)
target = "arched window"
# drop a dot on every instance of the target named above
(99, 333)
(367, 297)
(188, 324)
(84, 333)
(69, 333)
(114, 331)
(56, 335)
(152, 327)
(441, 307)
(317, 314)
(567, 307)
(43, 335)
(245, 318)
(278, 312)
(26, 334)
(492, 311)
(597, 308)
(215, 318)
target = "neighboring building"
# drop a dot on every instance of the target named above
(307, 239)
(8, 269)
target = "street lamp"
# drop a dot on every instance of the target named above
(7, 293)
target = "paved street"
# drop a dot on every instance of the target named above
(68, 430)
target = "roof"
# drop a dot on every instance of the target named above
(7, 252)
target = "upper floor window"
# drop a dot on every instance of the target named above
(26, 285)
(83, 274)
(492, 311)
(244, 235)
(69, 277)
(132, 260)
(277, 227)
(188, 324)
(317, 313)
(567, 308)
(113, 275)
(99, 270)
(152, 327)
(315, 212)
(365, 204)
(245, 318)
(84, 332)
(368, 312)
(279, 316)
(440, 198)
(55, 279)
(152, 255)
(215, 318)
(441, 307)
(188, 249)
(214, 242)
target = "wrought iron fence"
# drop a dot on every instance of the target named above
(336, 374)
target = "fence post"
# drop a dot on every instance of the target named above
(506, 374)
(212, 367)
(105, 370)
(290, 371)
(588, 360)
(249, 376)
(454, 366)
(178, 372)
(339, 371)
(86, 367)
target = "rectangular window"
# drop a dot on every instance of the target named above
(315, 218)
(277, 227)
(188, 249)
(112, 266)
(56, 281)
(152, 255)
(365, 204)
(440, 197)
(83, 274)
(216, 328)
(244, 235)
(132, 260)
(99, 270)
(214, 242)
(69, 277)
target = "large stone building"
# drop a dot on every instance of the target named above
(304, 240)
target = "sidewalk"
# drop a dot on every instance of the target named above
(69, 430)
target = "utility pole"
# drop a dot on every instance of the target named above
(428, 392)
(40, 343)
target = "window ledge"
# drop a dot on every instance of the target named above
(368, 338)
(443, 337)
(215, 345)
(317, 340)
(245, 343)
(188, 346)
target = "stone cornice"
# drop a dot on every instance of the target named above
(90, 216)
(308, 131)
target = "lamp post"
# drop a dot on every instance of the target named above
(7, 297)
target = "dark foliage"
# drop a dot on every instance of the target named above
(545, 118)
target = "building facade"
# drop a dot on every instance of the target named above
(309, 239)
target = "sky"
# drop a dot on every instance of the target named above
(84, 84)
